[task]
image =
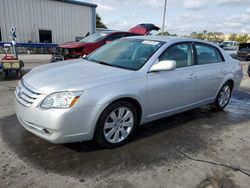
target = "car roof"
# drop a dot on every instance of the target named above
(172, 39)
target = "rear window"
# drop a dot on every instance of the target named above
(207, 54)
(244, 47)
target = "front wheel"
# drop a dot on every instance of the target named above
(116, 124)
(223, 97)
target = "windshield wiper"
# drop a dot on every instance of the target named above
(102, 63)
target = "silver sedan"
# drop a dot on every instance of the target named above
(124, 84)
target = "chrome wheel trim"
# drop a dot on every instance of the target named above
(118, 125)
(224, 95)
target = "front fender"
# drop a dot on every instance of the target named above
(100, 97)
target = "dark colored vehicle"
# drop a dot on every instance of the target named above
(243, 51)
(85, 46)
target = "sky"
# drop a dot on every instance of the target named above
(182, 16)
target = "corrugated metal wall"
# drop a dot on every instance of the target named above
(65, 20)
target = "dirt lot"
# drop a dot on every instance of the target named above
(192, 149)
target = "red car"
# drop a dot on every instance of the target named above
(71, 50)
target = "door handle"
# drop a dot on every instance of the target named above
(192, 76)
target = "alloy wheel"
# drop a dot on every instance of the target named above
(224, 95)
(118, 125)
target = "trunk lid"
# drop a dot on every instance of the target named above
(144, 29)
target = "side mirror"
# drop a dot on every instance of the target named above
(165, 65)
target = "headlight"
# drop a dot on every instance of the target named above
(62, 100)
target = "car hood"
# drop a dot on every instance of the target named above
(69, 45)
(74, 75)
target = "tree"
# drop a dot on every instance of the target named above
(99, 23)
(205, 35)
(243, 38)
(193, 34)
(233, 37)
(166, 33)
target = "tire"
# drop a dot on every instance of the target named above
(113, 131)
(19, 74)
(223, 97)
(5, 74)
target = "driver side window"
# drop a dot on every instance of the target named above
(181, 53)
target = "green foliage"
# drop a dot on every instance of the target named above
(166, 33)
(243, 38)
(99, 23)
(219, 36)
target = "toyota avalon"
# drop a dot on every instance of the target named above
(122, 85)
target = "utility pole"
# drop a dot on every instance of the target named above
(164, 15)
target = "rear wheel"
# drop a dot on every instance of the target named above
(223, 97)
(116, 124)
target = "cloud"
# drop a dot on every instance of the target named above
(237, 23)
(121, 24)
(201, 4)
(240, 19)
(244, 31)
(195, 4)
(233, 2)
(149, 3)
(154, 3)
(104, 8)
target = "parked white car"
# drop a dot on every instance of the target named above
(229, 45)
(124, 84)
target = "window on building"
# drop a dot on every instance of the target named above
(45, 36)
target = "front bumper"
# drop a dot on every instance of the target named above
(57, 125)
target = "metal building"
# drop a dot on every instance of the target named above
(50, 21)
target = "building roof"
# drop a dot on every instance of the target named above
(79, 3)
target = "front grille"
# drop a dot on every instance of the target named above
(25, 94)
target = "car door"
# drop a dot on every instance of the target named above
(210, 71)
(169, 91)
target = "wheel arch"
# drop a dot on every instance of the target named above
(132, 101)
(231, 82)
(129, 99)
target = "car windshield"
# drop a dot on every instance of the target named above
(227, 43)
(94, 38)
(129, 54)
